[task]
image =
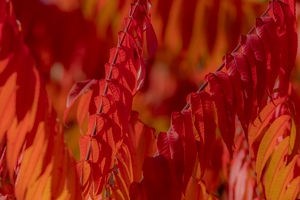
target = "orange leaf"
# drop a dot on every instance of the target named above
(84, 170)
(83, 107)
(31, 158)
(278, 128)
(281, 181)
(267, 114)
(7, 105)
(293, 189)
(277, 161)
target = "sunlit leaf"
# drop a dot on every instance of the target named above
(260, 123)
(277, 161)
(278, 128)
(283, 178)
(293, 189)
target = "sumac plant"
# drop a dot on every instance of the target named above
(245, 116)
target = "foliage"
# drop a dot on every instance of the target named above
(236, 138)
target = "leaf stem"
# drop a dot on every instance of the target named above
(110, 74)
(204, 85)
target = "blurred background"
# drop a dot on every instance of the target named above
(70, 41)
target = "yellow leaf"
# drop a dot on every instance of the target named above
(292, 137)
(258, 126)
(268, 143)
(283, 178)
(277, 161)
(293, 189)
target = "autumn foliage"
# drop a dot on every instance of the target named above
(237, 137)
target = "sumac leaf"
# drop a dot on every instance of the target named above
(283, 178)
(254, 51)
(277, 161)
(203, 112)
(221, 90)
(76, 91)
(238, 72)
(151, 38)
(279, 127)
(262, 121)
(266, 29)
(182, 123)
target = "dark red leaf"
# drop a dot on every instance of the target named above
(221, 90)
(182, 123)
(157, 179)
(150, 38)
(266, 29)
(235, 70)
(202, 108)
(170, 146)
(254, 51)
(288, 39)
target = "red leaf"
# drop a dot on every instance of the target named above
(124, 69)
(182, 123)
(122, 76)
(287, 37)
(123, 99)
(8, 39)
(109, 109)
(76, 91)
(266, 29)
(292, 4)
(204, 122)
(234, 71)
(157, 179)
(141, 142)
(150, 38)
(254, 51)
(129, 60)
(221, 90)
(136, 191)
(170, 146)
